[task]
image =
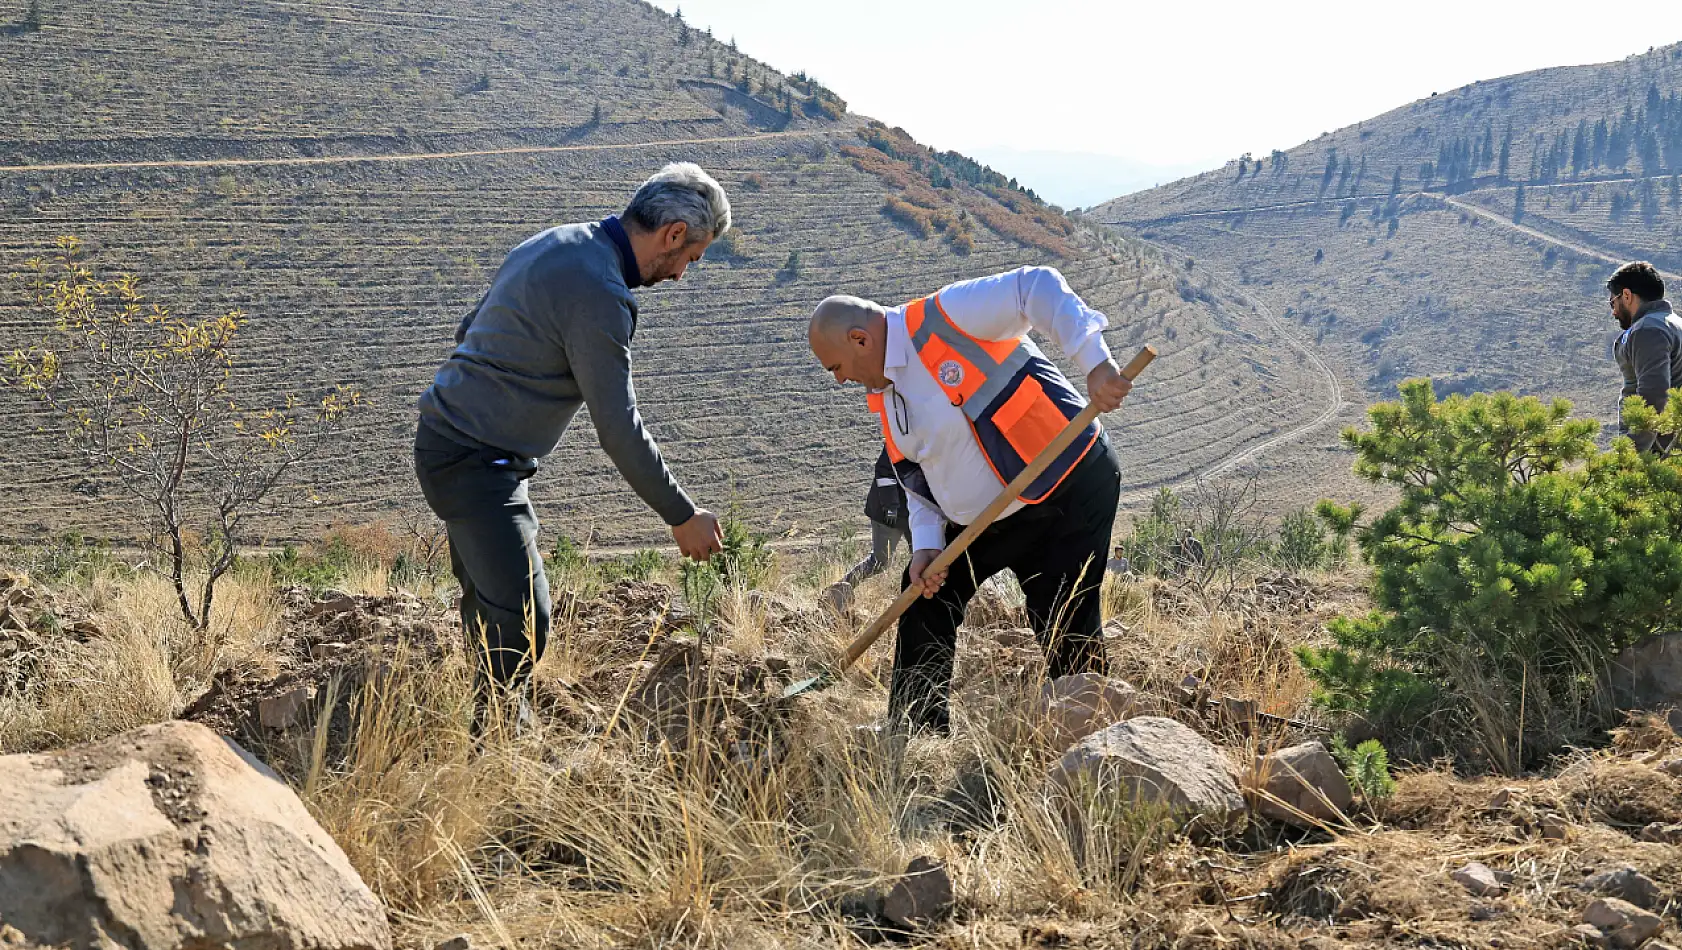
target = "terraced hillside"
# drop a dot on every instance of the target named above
(351, 175)
(1465, 236)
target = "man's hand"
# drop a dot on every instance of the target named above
(699, 538)
(920, 561)
(1106, 387)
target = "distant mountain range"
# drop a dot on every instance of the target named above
(1465, 236)
(351, 175)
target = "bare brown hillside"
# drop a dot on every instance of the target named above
(1465, 236)
(350, 175)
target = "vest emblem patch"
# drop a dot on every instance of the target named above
(951, 373)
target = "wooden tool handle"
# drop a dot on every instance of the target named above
(1011, 492)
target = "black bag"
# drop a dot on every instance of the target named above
(885, 504)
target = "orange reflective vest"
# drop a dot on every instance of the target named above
(1015, 399)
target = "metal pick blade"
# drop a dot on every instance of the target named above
(808, 684)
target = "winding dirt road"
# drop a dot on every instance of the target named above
(406, 156)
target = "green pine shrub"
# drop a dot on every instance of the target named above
(1517, 561)
(1367, 766)
(745, 563)
(1304, 543)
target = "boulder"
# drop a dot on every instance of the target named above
(1503, 797)
(1555, 827)
(1239, 713)
(1648, 675)
(1662, 833)
(1074, 707)
(287, 709)
(838, 597)
(333, 603)
(1153, 760)
(1624, 883)
(1588, 934)
(1478, 880)
(170, 836)
(923, 895)
(1624, 924)
(1016, 638)
(990, 608)
(1304, 786)
(329, 650)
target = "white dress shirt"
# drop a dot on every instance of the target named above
(936, 434)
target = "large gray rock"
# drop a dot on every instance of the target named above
(1074, 707)
(1648, 675)
(1157, 761)
(170, 837)
(1624, 883)
(839, 597)
(1304, 786)
(923, 895)
(1625, 925)
(286, 710)
(1478, 880)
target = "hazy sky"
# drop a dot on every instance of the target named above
(1179, 85)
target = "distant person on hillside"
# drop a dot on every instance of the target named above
(890, 524)
(1649, 351)
(965, 401)
(551, 335)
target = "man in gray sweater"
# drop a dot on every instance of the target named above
(553, 334)
(1649, 351)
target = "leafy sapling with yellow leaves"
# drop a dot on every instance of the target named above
(146, 397)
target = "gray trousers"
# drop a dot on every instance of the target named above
(883, 540)
(481, 498)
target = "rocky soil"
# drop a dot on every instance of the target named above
(1268, 845)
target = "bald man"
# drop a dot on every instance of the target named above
(965, 401)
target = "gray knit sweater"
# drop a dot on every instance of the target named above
(1650, 355)
(552, 334)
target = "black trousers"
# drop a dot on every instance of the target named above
(1057, 549)
(481, 498)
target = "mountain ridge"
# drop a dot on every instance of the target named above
(352, 184)
(1465, 236)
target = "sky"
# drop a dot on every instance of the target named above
(1160, 90)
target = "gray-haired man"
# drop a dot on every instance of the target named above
(553, 334)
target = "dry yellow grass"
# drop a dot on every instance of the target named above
(587, 831)
(141, 662)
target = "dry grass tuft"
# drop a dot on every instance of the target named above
(132, 660)
(666, 798)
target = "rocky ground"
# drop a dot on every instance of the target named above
(667, 795)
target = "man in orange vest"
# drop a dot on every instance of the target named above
(965, 401)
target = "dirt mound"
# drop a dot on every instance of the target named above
(333, 641)
(692, 696)
(34, 622)
(1625, 794)
(1361, 881)
(623, 623)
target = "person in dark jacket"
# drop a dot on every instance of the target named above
(1649, 351)
(890, 523)
(553, 335)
